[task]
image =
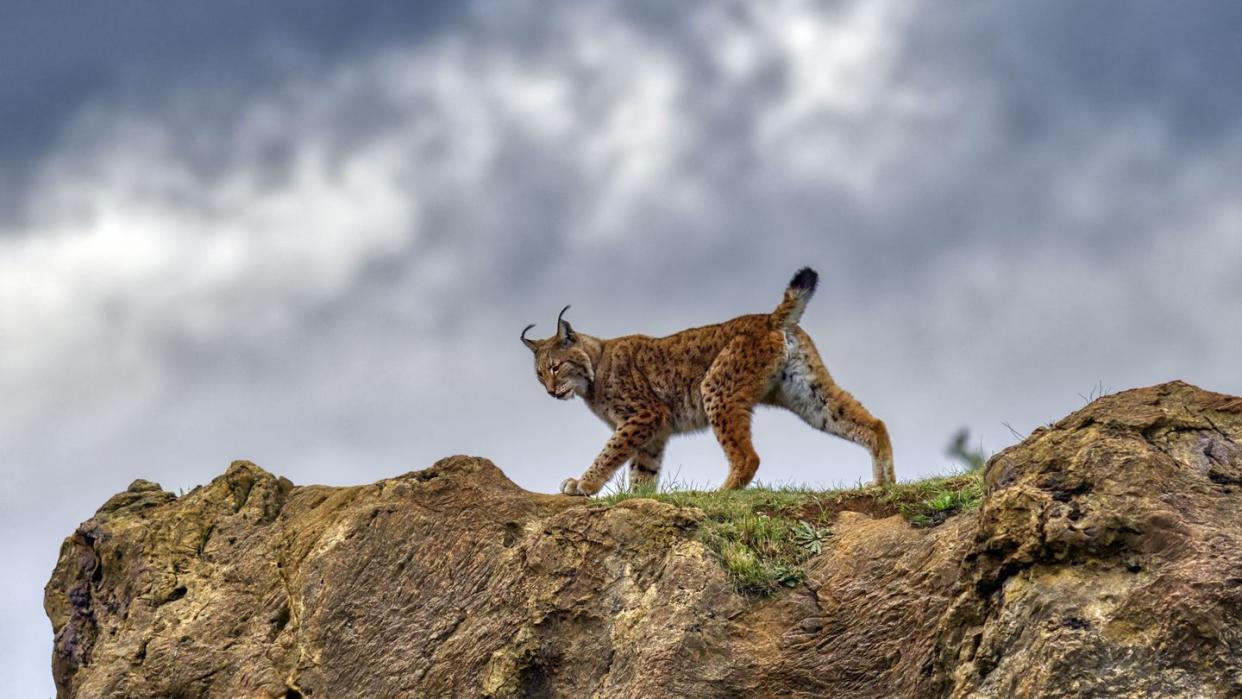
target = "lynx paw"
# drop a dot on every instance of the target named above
(574, 486)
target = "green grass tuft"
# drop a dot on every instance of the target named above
(944, 497)
(764, 535)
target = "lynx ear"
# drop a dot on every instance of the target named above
(529, 343)
(564, 333)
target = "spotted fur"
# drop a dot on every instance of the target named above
(648, 389)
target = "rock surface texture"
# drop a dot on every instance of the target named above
(1106, 561)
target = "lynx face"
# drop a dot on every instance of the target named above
(562, 365)
(563, 371)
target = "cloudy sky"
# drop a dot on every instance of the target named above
(308, 233)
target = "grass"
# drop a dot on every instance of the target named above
(937, 499)
(763, 535)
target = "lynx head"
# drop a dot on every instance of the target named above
(562, 364)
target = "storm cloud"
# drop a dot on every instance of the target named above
(310, 237)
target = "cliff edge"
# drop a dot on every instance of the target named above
(1105, 560)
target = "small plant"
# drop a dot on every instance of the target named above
(971, 458)
(787, 575)
(810, 537)
(948, 500)
(945, 500)
(1097, 391)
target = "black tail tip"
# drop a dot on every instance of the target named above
(804, 280)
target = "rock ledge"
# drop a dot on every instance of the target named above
(1106, 561)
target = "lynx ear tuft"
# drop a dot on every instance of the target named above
(564, 332)
(528, 343)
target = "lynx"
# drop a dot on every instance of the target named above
(648, 389)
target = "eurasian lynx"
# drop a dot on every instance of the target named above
(648, 389)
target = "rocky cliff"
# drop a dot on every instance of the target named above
(1106, 560)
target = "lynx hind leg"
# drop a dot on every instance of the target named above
(739, 378)
(645, 464)
(808, 390)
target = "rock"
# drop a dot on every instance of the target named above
(1106, 561)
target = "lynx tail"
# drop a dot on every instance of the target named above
(801, 287)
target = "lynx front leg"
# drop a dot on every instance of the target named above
(645, 466)
(621, 446)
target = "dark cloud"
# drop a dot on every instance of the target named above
(309, 235)
(58, 58)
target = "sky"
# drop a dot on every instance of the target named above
(308, 233)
